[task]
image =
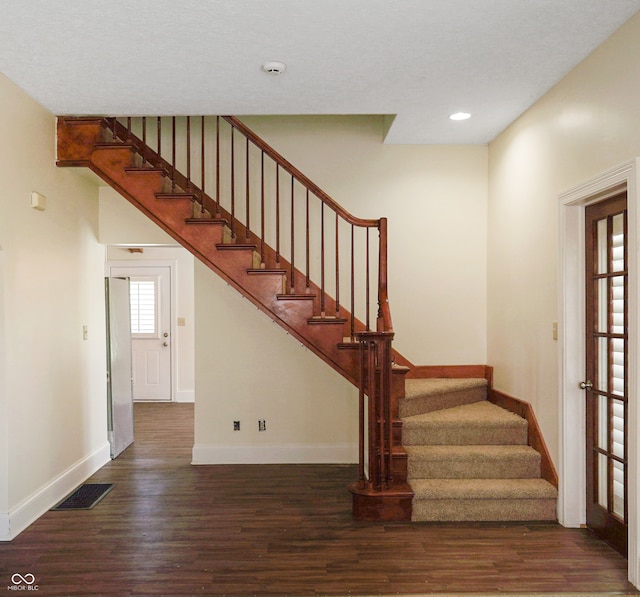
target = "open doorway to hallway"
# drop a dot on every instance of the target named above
(160, 309)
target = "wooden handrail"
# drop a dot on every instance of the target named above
(299, 176)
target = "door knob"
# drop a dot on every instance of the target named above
(585, 385)
(165, 344)
(166, 334)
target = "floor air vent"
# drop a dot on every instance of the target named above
(85, 497)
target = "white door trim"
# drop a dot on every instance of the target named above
(572, 464)
(172, 265)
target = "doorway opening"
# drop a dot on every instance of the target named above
(159, 311)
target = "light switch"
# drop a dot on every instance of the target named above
(182, 321)
(85, 332)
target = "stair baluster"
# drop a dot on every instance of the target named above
(202, 164)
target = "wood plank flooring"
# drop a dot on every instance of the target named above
(169, 528)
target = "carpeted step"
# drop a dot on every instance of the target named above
(480, 423)
(483, 499)
(427, 395)
(473, 462)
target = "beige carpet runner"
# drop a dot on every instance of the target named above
(468, 458)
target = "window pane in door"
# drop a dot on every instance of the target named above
(601, 244)
(617, 305)
(617, 243)
(617, 366)
(143, 293)
(602, 383)
(618, 489)
(603, 423)
(617, 427)
(603, 494)
(602, 298)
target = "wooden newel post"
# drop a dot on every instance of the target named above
(375, 403)
(384, 313)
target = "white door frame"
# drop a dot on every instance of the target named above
(572, 344)
(172, 265)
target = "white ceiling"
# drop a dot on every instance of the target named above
(420, 60)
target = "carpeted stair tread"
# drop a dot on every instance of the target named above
(427, 395)
(483, 499)
(482, 489)
(476, 423)
(476, 510)
(473, 462)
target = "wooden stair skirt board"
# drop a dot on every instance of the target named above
(470, 459)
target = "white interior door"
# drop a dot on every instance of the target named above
(150, 291)
(119, 387)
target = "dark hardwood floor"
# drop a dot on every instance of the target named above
(169, 528)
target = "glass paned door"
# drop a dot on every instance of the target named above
(606, 369)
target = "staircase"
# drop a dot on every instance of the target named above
(321, 274)
(469, 459)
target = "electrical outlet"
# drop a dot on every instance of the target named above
(262, 425)
(236, 425)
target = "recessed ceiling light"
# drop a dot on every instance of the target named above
(273, 67)
(460, 116)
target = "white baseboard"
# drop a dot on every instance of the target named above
(185, 396)
(286, 454)
(5, 535)
(34, 506)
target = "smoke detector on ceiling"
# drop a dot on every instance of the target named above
(273, 67)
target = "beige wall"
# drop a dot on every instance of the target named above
(120, 223)
(589, 122)
(4, 423)
(53, 404)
